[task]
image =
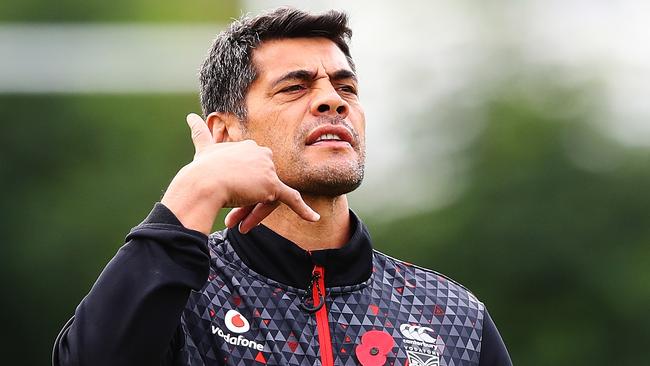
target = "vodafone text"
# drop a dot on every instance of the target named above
(237, 341)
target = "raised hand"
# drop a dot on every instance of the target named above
(229, 174)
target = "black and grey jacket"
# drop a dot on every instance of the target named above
(167, 298)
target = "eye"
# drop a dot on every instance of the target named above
(348, 89)
(292, 88)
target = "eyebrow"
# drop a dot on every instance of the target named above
(305, 75)
(344, 74)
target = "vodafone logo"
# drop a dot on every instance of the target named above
(236, 323)
(417, 333)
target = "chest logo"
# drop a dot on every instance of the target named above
(236, 323)
(422, 359)
(418, 333)
(420, 345)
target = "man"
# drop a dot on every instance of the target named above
(293, 280)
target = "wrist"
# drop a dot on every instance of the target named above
(196, 216)
(195, 205)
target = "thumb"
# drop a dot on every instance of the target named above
(201, 136)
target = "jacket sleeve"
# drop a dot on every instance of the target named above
(131, 316)
(493, 350)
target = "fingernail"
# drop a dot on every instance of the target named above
(316, 216)
(190, 117)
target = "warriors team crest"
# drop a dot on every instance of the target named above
(420, 345)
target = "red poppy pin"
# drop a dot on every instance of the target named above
(374, 347)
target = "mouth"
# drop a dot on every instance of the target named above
(330, 135)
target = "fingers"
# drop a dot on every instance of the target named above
(250, 216)
(201, 136)
(236, 215)
(261, 211)
(293, 199)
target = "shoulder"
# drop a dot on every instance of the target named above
(424, 281)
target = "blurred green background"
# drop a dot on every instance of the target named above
(545, 217)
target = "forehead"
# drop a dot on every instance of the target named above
(275, 58)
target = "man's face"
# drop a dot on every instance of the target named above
(304, 107)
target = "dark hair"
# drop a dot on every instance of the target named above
(228, 70)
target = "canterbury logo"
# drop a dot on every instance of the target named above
(418, 333)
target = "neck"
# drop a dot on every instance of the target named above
(331, 231)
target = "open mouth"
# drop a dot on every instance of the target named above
(330, 135)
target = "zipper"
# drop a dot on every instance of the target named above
(317, 288)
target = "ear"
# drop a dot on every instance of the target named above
(225, 127)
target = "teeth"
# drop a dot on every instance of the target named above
(328, 136)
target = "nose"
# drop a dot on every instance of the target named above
(329, 102)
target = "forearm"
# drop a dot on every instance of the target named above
(133, 310)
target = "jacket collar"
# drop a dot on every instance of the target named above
(278, 258)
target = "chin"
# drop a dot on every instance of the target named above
(327, 181)
(328, 189)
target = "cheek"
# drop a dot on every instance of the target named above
(287, 124)
(278, 135)
(359, 122)
(276, 125)
(357, 113)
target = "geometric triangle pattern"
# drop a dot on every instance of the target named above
(431, 319)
